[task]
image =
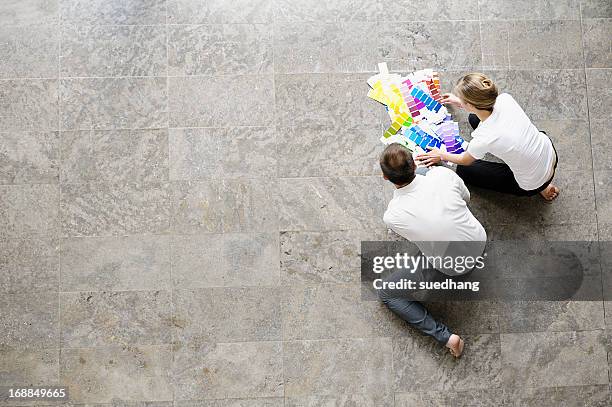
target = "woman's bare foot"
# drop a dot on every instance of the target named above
(550, 193)
(455, 345)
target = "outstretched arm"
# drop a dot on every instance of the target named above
(435, 155)
(450, 99)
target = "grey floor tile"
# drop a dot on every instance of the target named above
(29, 367)
(571, 232)
(29, 265)
(112, 209)
(334, 311)
(113, 50)
(547, 359)
(597, 33)
(219, 11)
(420, 364)
(256, 402)
(572, 142)
(338, 367)
(196, 207)
(325, 47)
(251, 205)
(423, 10)
(204, 315)
(570, 396)
(318, 204)
(220, 49)
(529, 9)
(543, 44)
(198, 261)
(113, 103)
(341, 400)
(29, 12)
(246, 205)
(228, 370)
(29, 157)
(419, 45)
(29, 51)
(550, 102)
(596, 9)
(115, 263)
(234, 101)
(573, 195)
(101, 375)
(493, 209)
(114, 155)
(225, 260)
(97, 319)
(515, 231)
(334, 100)
(313, 151)
(495, 43)
(467, 398)
(103, 12)
(239, 152)
(601, 143)
(331, 11)
(551, 316)
(599, 91)
(251, 253)
(323, 257)
(603, 194)
(29, 105)
(29, 321)
(467, 317)
(28, 210)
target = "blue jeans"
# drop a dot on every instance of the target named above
(413, 311)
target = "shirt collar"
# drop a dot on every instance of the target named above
(410, 187)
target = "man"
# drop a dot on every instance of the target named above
(431, 211)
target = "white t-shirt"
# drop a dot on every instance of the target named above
(433, 209)
(509, 134)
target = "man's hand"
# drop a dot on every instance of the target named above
(430, 158)
(450, 99)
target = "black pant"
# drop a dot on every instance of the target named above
(495, 176)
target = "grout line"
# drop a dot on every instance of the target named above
(586, 84)
(170, 234)
(293, 73)
(482, 58)
(59, 198)
(278, 231)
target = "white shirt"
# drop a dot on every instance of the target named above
(509, 134)
(431, 210)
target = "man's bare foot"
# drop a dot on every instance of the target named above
(550, 193)
(455, 345)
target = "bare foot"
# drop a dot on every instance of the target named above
(550, 193)
(455, 345)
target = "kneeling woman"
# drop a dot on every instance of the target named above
(501, 128)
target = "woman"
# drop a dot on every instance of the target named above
(501, 128)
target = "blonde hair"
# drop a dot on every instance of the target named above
(478, 90)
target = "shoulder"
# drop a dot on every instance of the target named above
(505, 99)
(390, 217)
(440, 172)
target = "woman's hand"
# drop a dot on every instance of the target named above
(430, 158)
(450, 99)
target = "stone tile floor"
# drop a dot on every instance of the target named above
(185, 183)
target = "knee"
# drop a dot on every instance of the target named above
(382, 296)
(473, 120)
(460, 171)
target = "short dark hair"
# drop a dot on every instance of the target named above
(397, 164)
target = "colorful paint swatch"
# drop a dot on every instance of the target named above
(427, 100)
(418, 119)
